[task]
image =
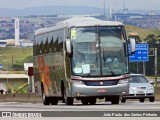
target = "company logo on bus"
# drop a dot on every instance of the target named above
(101, 83)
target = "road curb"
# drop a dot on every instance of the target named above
(20, 97)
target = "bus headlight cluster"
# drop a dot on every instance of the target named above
(78, 82)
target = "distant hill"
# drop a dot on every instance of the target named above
(50, 10)
(142, 33)
(61, 10)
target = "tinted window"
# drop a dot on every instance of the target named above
(138, 79)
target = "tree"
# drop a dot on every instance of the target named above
(136, 37)
(151, 40)
(154, 42)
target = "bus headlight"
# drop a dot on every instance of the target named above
(78, 82)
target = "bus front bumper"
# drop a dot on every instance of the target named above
(99, 91)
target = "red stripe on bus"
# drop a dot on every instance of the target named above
(101, 79)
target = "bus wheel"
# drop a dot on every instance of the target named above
(92, 101)
(141, 99)
(84, 102)
(63, 91)
(54, 101)
(115, 100)
(69, 101)
(46, 100)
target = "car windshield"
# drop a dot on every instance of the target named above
(138, 79)
(98, 51)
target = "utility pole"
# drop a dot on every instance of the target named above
(137, 67)
(115, 10)
(153, 52)
(155, 59)
(144, 68)
(104, 8)
(12, 61)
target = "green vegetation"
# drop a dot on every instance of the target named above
(18, 88)
(21, 88)
(15, 58)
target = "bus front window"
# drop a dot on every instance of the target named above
(112, 51)
(84, 59)
(98, 51)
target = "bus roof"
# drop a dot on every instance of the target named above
(78, 22)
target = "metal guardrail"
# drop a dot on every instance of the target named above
(21, 87)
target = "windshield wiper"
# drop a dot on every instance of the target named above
(104, 59)
(96, 57)
(125, 50)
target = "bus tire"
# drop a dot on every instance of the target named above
(46, 100)
(92, 101)
(63, 91)
(115, 100)
(69, 101)
(141, 99)
(84, 101)
(54, 101)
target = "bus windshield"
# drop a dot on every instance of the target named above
(98, 51)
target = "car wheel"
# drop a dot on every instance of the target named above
(151, 99)
(123, 100)
(141, 100)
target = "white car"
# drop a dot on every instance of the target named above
(140, 88)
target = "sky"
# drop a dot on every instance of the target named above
(130, 4)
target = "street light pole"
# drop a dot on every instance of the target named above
(155, 53)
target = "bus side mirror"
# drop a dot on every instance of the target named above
(133, 45)
(68, 46)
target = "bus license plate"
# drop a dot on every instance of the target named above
(101, 90)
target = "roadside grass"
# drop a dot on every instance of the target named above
(18, 56)
(17, 87)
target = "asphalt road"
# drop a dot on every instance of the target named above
(101, 106)
(85, 111)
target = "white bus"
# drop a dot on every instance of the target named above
(82, 58)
